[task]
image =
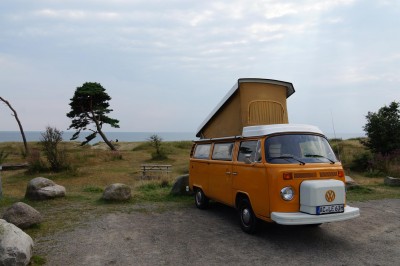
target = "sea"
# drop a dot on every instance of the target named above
(15, 136)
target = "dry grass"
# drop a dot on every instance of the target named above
(347, 150)
(93, 168)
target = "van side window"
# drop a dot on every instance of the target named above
(223, 151)
(202, 151)
(251, 150)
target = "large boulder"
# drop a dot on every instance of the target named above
(350, 183)
(179, 187)
(22, 215)
(117, 192)
(41, 188)
(392, 181)
(15, 245)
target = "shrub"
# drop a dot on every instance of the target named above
(361, 162)
(3, 156)
(50, 141)
(379, 164)
(36, 164)
(382, 129)
(159, 153)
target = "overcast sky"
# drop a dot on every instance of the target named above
(167, 63)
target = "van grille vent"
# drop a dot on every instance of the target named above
(328, 174)
(305, 175)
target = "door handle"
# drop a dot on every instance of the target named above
(234, 173)
(227, 173)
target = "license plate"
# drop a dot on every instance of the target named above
(330, 209)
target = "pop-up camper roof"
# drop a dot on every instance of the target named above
(250, 102)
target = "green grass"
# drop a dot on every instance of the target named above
(93, 189)
(370, 188)
(37, 260)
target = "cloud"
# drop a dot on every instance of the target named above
(192, 52)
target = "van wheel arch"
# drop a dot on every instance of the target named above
(239, 197)
(247, 218)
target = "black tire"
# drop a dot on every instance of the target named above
(314, 225)
(248, 221)
(200, 199)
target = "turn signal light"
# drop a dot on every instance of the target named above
(340, 173)
(287, 176)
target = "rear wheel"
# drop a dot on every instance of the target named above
(200, 199)
(248, 221)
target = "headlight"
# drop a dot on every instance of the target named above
(287, 193)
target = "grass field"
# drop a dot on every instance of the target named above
(95, 167)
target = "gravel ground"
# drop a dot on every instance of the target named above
(184, 235)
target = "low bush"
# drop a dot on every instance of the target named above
(361, 162)
(35, 163)
(3, 156)
(50, 142)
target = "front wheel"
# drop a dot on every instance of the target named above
(248, 221)
(200, 199)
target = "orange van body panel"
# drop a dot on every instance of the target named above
(262, 182)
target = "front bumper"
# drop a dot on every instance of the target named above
(298, 218)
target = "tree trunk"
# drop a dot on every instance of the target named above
(98, 127)
(19, 124)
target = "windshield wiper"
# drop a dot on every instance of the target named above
(286, 157)
(319, 156)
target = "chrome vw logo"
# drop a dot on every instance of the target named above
(330, 195)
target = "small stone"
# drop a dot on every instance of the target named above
(117, 192)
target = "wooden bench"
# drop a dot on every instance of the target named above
(155, 170)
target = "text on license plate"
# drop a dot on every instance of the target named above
(330, 209)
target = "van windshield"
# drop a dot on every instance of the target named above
(298, 149)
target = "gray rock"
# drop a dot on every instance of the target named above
(22, 215)
(179, 187)
(15, 245)
(117, 192)
(41, 188)
(392, 181)
(350, 183)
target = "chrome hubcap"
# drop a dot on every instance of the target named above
(198, 197)
(246, 216)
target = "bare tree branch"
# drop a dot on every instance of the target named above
(19, 124)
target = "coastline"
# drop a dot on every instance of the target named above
(33, 136)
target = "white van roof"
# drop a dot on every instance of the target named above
(263, 130)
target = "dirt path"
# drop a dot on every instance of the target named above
(184, 235)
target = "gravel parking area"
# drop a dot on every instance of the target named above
(180, 234)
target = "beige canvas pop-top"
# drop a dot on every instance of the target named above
(250, 102)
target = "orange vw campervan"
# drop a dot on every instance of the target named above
(280, 173)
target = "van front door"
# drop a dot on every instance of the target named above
(220, 173)
(250, 176)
